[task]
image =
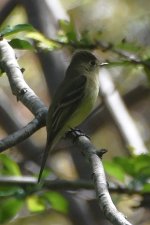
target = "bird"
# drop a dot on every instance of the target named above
(74, 99)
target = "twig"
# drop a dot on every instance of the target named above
(58, 184)
(22, 134)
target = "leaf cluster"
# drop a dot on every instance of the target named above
(13, 198)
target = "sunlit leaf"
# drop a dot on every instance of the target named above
(35, 204)
(43, 42)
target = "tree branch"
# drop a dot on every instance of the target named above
(58, 184)
(22, 134)
(120, 114)
(11, 121)
(23, 93)
(100, 183)
(18, 86)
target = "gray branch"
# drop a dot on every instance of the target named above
(60, 184)
(21, 134)
(120, 114)
(23, 93)
(18, 86)
(100, 183)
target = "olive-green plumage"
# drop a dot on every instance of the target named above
(74, 99)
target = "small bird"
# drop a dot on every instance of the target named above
(74, 99)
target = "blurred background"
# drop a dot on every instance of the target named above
(120, 31)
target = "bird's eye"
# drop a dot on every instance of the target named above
(92, 62)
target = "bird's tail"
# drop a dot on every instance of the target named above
(45, 156)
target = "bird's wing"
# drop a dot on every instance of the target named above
(68, 102)
(65, 102)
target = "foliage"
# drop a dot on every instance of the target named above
(26, 37)
(134, 171)
(13, 198)
(9, 208)
(8, 166)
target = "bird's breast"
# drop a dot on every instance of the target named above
(87, 103)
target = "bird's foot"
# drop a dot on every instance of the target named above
(75, 133)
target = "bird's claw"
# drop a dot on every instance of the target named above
(75, 133)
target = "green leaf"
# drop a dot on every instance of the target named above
(21, 44)
(114, 170)
(136, 167)
(9, 167)
(57, 201)
(125, 164)
(141, 166)
(9, 208)
(9, 30)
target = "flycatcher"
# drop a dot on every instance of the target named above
(74, 99)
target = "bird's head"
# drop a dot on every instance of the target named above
(84, 62)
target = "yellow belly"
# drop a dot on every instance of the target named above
(85, 107)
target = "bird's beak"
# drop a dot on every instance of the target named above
(103, 64)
